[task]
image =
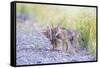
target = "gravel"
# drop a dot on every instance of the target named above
(35, 48)
(32, 40)
(42, 56)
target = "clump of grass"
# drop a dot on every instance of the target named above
(87, 27)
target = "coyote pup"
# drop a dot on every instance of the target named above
(69, 38)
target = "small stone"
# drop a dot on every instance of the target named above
(38, 62)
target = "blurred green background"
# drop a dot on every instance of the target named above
(82, 19)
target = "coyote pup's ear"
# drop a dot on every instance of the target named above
(59, 31)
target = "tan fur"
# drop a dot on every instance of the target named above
(69, 37)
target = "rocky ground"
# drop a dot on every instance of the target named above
(29, 56)
(35, 48)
